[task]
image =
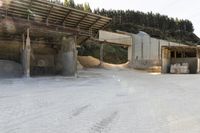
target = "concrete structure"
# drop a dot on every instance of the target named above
(145, 52)
(40, 57)
(123, 38)
(180, 57)
(41, 37)
(26, 54)
(116, 38)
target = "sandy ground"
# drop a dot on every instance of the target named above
(101, 101)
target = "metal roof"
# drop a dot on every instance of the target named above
(42, 11)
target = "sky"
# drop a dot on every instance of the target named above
(182, 9)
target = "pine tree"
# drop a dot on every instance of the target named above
(80, 7)
(66, 3)
(87, 7)
(69, 3)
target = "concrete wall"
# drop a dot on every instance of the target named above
(115, 37)
(10, 69)
(146, 47)
(198, 65)
(145, 64)
(138, 47)
(154, 50)
(10, 50)
(43, 65)
(10, 63)
(45, 60)
(198, 60)
(130, 53)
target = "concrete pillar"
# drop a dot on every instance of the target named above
(166, 54)
(68, 58)
(198, 60)
(130, 54)
(175, 54)
(101, 52)
(26, 55)
(131, 51)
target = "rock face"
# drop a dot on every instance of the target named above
(10, 69)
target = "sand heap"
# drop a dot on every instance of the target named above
(91, 62)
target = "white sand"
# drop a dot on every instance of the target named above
(101, 101)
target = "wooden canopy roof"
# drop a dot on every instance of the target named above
(42, 11)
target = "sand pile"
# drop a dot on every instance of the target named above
(91, 62)
(110, 66)
(79, 66)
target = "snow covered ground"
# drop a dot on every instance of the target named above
(101, 101)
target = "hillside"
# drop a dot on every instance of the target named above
(156, 25)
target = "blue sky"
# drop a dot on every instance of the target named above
(182, 9)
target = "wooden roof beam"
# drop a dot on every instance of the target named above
(60, 14)
(95, 23)
(50, 10)
(83, 18)
(84, 40)
(66, 16)
(75, 10)
(106, 25)
(29, 8)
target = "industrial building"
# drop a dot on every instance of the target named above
(40, 38)
(145, 52)
(180, 59)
